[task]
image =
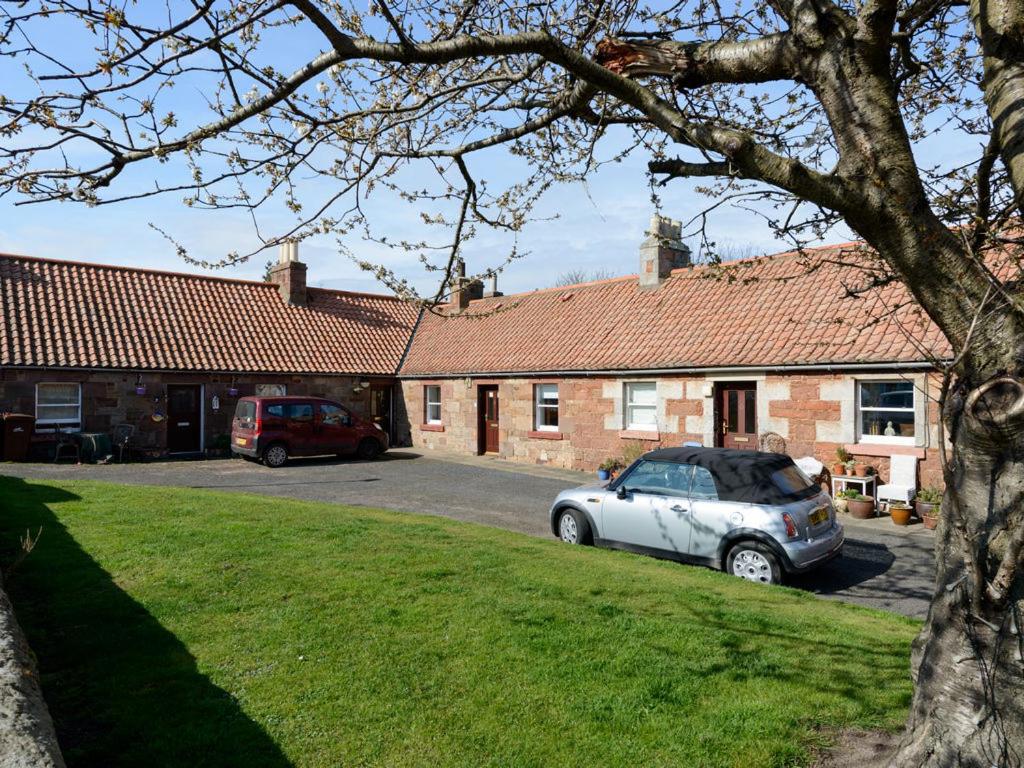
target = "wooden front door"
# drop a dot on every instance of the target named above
(184, 418)
(736, 406)
(380, 409)
(488, 409)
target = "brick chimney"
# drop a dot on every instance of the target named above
(661, 252)
(289, 274)
(464, 290)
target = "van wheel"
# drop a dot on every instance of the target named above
(368, 450)
(754, 561)
(275, 455)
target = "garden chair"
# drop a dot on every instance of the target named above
(123, 441)
(66, 446)
(902, 483)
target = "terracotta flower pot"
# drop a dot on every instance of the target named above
(900, 515)
(839, 468)
(930, 521)
(924, 508)
(862, 509)
(860, 470)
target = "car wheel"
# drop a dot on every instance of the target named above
(573, 527)
(368, 450)
(754, 561)
(275, 455)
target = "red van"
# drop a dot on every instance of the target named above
(275, 428)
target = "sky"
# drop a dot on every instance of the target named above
(597, 227)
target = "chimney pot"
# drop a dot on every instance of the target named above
(289, 274)
(661, 252)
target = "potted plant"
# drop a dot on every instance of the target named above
(900, 513)
(926, 504)
(860, 506)
(851, 466)
(860, 469)
(607, 468)
(839, 465)
(841, 499)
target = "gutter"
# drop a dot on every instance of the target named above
(721, 370)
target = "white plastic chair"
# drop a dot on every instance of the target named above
(902, 483)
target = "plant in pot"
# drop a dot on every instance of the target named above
(608, 468)
(926, 503)
(860, 506)
(841, 499)
(839, 465)
(860, 469)
(900, 513)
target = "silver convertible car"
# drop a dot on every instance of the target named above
(755, 515)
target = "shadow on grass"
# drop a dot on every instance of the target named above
(122, 689)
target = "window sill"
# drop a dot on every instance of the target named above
(539, 434)
(432, 427)
(639, 434)
(885, 449)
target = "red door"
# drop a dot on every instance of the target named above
(488, 407)
(737, 415)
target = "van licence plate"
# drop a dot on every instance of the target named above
(240, 440)
(819, 515)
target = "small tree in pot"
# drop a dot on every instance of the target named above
(926, 504)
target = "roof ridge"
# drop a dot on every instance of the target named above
(171, 273)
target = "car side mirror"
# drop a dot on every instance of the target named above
(620, 492)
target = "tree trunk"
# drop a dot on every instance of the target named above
(968, 661)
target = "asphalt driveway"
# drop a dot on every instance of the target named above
(882, 566)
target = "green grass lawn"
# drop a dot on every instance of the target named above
(179, 627)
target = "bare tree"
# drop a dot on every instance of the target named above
(577, 276)
(812, 107)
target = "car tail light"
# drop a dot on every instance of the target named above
(791, 530)
(257, 426)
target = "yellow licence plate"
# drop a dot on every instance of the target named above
(240, 440)
(819, 515)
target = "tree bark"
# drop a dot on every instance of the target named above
(968, 662)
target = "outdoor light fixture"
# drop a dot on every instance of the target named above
(364, 384)
(232, 390)
(140, 388)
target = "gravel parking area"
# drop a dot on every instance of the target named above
(882, 566)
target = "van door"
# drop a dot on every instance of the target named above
(336, 431)
(292, 422)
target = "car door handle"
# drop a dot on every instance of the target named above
(678, 508)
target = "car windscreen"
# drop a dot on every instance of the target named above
(245, 410)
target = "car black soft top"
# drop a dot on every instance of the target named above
(742, 476)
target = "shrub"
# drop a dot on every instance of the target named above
(930, 495)
(634, 450)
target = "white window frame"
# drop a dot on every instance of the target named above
(539, 406)
(862, 437)
(72, 426)
(427, 403)
(628, 406)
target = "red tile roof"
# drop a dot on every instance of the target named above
(69, 314)
(787, 309)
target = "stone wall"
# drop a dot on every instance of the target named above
(109, 398)
(27, 739)
(814, 413)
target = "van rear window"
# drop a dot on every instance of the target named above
(245, 410)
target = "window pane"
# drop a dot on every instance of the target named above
(750, 419)
(665, 478)
(732, 411)
(57, 412)
(547, 394)
(275, 410)
(57, 394)
(887, 423)
(299, 412)
(703, 485)
(642, 393)
(271, 390)
(642, 417)
(547, 417)
(887, 394)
